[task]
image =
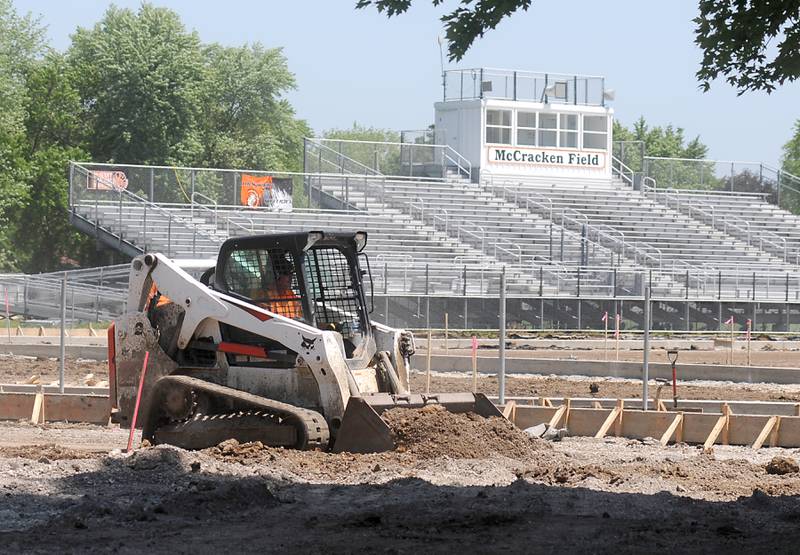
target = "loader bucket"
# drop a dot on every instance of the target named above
(363, 430)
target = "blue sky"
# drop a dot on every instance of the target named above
(358, 66)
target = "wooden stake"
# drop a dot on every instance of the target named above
(37, 416)
(748, 336)
(509, 411)
(446, 332)
(712, 437)
(557, 416)
(616, 334)
(661, 406)
(731, 340)
(428, 366)
(773, 440)
(596, 405)
(547, 402)
(672, 428)
(615, 414)
(618, 425)
(726, 412)
(762, 436)
(474, 364)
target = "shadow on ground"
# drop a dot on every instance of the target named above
(156, 503)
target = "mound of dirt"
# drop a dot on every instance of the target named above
(432, 432)
(45, 453)
(782, 465)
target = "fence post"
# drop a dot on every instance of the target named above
(427, 298)
(62, 345)
(152, 182)
(646, 349)
(614, 278)
(541, 280)
(25, 297)
(687, 284)
(464, 288)
(502, 345)
(169, 236)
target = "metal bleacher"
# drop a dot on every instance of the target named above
(448, 235)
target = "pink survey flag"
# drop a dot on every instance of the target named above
(616, 327)
(605, 317)
(729, 320)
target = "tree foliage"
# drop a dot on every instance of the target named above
(140, 79)
(369, 149)
(737, 37)
(136, 88)
(466, 23)
(752, 45)
(244, 121)
(791, 152)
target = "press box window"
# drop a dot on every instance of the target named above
(568, 134)
(595, 132)
(526, 128)
(548, 129)
(498, 126)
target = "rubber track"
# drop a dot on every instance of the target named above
(312, 429)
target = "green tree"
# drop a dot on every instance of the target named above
(21, 41)
(44, 239)
(753, 45)
(791, 152)
(244, 119)
(370, 149)
(790, 163)
(664, 142)
(140, 78)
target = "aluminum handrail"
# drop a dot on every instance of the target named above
(461, 162)
(203, 206)
(457, 160)
(619, 171)
(342, 157)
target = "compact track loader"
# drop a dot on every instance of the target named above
(273, 344)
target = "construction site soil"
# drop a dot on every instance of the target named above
(86, 372)
(454, 482)
(435, 494)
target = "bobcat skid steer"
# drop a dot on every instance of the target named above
(273, 344)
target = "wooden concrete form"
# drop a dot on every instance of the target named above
(768, 408)
(707, 429)
(54, 407)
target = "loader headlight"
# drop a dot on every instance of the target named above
(361, 240)
(313, 237)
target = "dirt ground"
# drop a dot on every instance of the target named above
(434, 495)
(578, 386)
(19, 369)
(454, 482)
(22, 369)
(784, 359)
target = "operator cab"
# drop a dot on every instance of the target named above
(311, 277)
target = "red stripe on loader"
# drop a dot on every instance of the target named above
(240, 349)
